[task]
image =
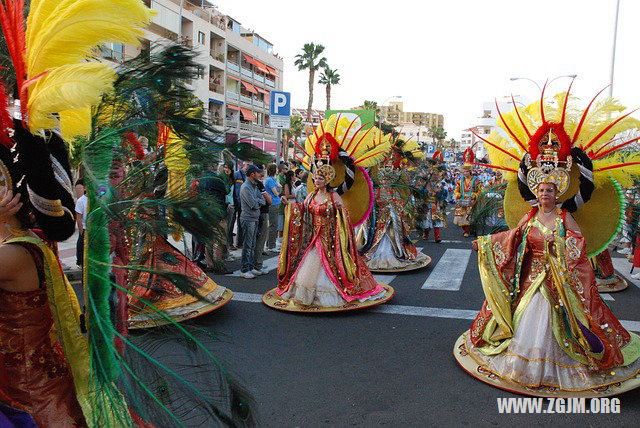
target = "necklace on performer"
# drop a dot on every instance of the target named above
(549, 213)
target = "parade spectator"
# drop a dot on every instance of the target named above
(287, 190)
(251, 199)
(229, 203)
(216, 186)
(283, 168)
(301, 191)
(239, 178)
(272, 189)
(263, 224)
(81, 220)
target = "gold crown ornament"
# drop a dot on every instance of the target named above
(548, 168)
(321, 163)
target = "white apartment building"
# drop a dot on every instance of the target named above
(411, 131)
(486, 124)
(238, 66)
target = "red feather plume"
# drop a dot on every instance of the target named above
(12, 21)
(5, 119)
(135, 143)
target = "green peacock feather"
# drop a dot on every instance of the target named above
(157, 386)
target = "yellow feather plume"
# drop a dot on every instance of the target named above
(374, 156)
(625, 175)
(67, 88)
(60, 37)
(75, 122)
(69, 32)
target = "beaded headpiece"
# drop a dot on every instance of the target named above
(321, 161)
(468, 157)
(547, 167)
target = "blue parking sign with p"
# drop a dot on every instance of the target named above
(280, 103)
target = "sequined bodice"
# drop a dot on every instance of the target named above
(320, 212)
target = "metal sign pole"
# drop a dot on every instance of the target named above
(278, 145)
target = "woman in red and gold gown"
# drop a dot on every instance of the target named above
(319, 262)
(543, 323)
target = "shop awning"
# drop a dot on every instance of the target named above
(249, 87)
(232, 107)
(247, 114)
(272, 71)
(260, 66)
(261, 90)
(249, 59)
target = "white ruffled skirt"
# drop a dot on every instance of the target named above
(534, 358)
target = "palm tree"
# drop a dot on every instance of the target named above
(296, 128)
(310, 59)
(437, 133)
(328, 78)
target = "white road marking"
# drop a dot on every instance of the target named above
(417, 311)
(387, 278)
(607, 296)
(247, 297)
(448, 273)
(623, 267)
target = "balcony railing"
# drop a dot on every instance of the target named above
(232, 95)
(270, 82)
(258, 77)
(258, 103)
(246, 72)
(233, 67)
(245, 99)
(216, 88)
(218, 56)
(217, 121)
(246, 126)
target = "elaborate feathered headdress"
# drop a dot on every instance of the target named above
(342, 148)
(575, 149)
(468, 157)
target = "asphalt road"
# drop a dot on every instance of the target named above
(371, 368)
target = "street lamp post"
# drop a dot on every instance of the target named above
(573, 76)
(613, 52)
(380, 115)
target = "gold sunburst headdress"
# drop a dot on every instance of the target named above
(340, 149)
(577, 150)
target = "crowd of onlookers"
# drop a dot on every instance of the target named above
(254, 197)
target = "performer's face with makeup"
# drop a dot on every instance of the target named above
(319, 181)
(547, 193)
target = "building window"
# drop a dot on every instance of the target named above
(165, 17)
(200, 71)
(201, 38)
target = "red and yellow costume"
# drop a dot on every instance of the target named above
(37, 355)
(465, 194)
(543, 322)
(321, 265)
(543, 328)
(320, 268)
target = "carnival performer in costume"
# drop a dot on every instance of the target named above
(45, 368)
(607, 279)
(388, 247)
(59, 368)
(436, 200)
(467, 188)
(320, 268)
(543, 329)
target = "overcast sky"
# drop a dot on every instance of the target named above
(450, 56)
